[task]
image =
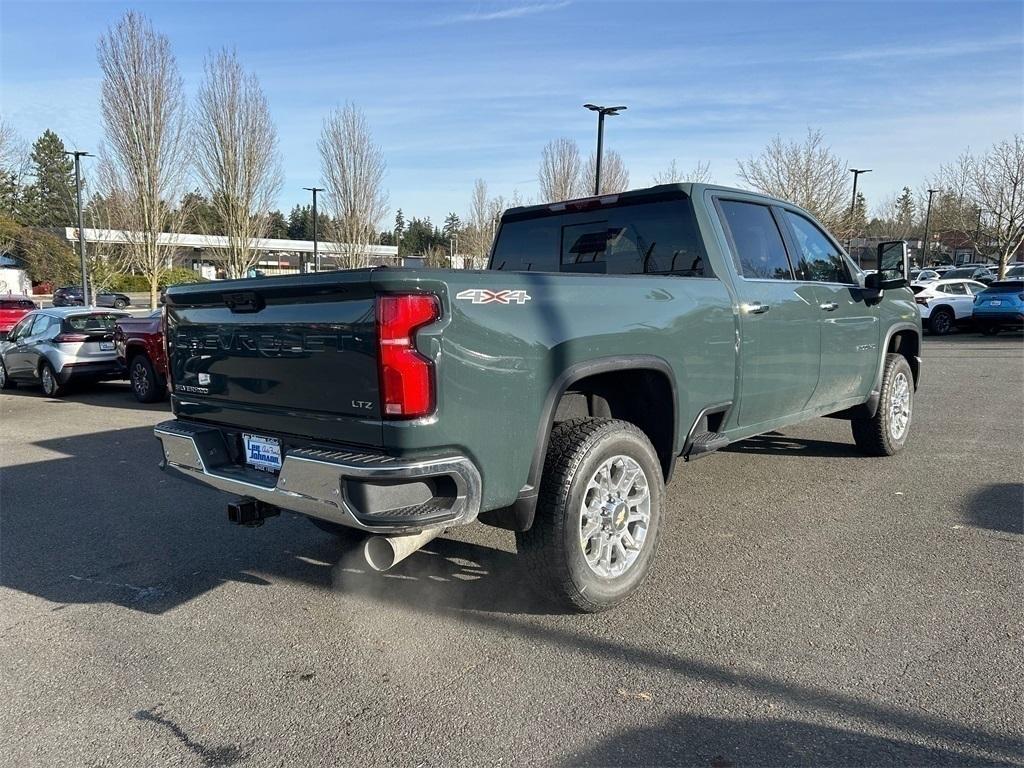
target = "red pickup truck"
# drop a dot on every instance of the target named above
(140, 348)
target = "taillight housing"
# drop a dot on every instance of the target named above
(71, 338)
(406, 376)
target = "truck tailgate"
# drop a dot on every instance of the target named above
(277, 355)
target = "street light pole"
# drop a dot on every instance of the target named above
(927, 222)
(853, 206)
(316, 251)
(78, 154)
(601, 112)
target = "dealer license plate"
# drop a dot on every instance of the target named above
(263, 452)
(106, 346)
(996, 303)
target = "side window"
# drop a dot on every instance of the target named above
(955, 289)
(756, 241)
(18, 331)
(820, 259)
(40, 325)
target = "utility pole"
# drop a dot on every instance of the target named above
(316, 251)
(601, 112)
(78, 154)
(853, 207)
(927, 222)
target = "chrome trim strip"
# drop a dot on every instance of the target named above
(309, 482)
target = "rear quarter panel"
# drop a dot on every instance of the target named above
(497, 362)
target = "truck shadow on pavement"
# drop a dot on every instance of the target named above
(998, 507)
(778, 444)
(98, 521)
(697, 740)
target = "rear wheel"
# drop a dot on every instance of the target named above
(145, 383)
(51, 384)
(5, 380)
(598, 515)
(886, 432)
(120, 303)
(941, 321)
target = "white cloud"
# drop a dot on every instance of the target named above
(500, 14)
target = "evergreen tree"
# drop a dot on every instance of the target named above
(200, 215)
(452, 225)
(298, 219)
(53, 192)
(905, 209)
(399, 225)
(277, 226)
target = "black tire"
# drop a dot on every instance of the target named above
(5, 381)
(120, 303)
(990, 330)
(941, 321)
(556, 557)
(343, 532)
(146, 385)
(880, 435)
(48, 378)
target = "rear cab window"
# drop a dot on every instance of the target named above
(628, 238)
(16, 304)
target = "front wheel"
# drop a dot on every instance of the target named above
(990, 330)
(5, 380)
(886, 432)
(598, 514)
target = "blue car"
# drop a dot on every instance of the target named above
(1001, 305)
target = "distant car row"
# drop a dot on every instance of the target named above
(58, 346)
(981, 273)
(951, 302)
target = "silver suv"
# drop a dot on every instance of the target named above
(53, 347)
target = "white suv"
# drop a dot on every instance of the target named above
(944, 304)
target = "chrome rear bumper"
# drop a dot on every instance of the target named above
(314, 482)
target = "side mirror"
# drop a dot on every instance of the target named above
(893, 267)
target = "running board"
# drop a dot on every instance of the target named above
(704, 443)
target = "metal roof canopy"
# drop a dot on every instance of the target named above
(184, 240)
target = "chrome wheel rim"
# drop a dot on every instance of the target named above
(48, 382)
(942, 322)
(899, 406)
(615, 516)
(139, 380)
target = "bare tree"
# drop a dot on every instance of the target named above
(479, 227)
(560, 171)
(144, 159)
(14, 167)
(673, 174)
(983, 198)
(236, 157)
(806, 173)
(353, 168)
(614, 176)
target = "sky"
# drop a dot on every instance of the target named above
(456, 91)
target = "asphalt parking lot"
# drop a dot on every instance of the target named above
(809, 607)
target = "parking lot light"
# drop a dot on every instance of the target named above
(601, 112)
(78, 154)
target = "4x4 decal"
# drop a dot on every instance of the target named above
(484, 296)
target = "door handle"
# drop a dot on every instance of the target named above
(829, 306)
(756, 308)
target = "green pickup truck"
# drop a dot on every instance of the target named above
(552, 394)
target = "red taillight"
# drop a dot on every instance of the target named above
(921, 301)
(406, 376)
(71, 338)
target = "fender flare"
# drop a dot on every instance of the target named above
(519, 516)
